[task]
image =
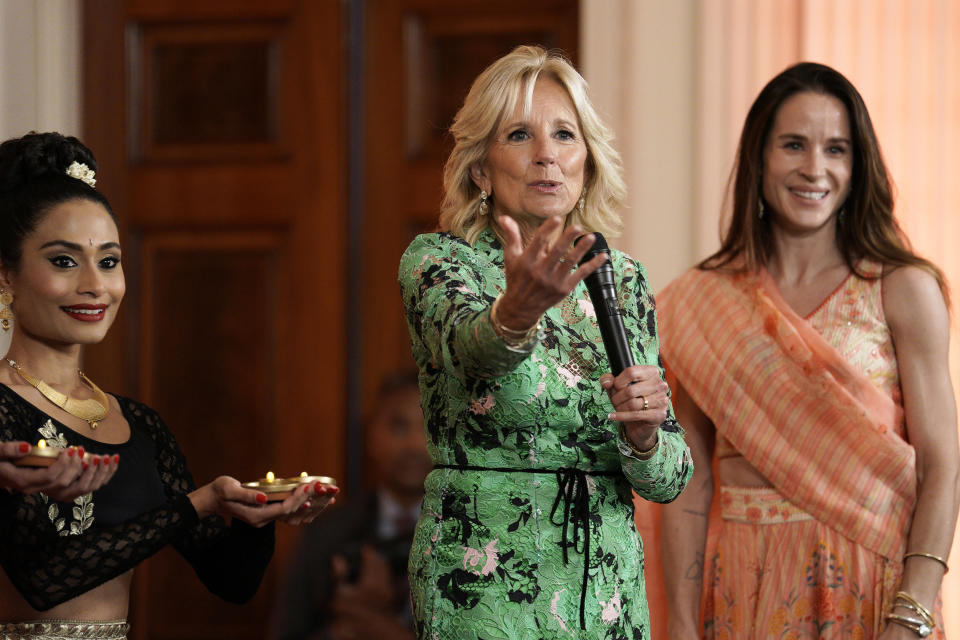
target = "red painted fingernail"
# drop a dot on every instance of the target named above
(319, 488)
(24, 447)
(96, 462)
(262, 498)
(333, 490)
(106, 461)
(85, 466)
(305, 505)
(116, 458)
(69, 453)
(81, 451)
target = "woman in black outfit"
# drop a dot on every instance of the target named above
(67, 566)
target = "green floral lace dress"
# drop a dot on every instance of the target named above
(531, 493)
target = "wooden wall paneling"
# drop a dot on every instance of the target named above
(206, 91)
(113, 361)
(216, 291)
(233, 253)
(239, 194)
(421, 58)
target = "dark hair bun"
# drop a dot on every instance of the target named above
(37, 155)
(33, 180)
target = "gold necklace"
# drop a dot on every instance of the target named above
(92, 410)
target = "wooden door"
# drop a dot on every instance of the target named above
(421, 58)
(219, 129)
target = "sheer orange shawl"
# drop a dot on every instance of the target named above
(819, 431)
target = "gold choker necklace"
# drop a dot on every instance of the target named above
(92, 410)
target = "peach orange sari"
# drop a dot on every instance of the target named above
(813, 403)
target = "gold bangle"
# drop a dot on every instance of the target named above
(919, 627)
(643, 455)
(921, 554)
(909, 602)
(514, 338)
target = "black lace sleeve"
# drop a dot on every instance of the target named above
(230, 560)
(48, 568)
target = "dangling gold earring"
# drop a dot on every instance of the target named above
(760, 209)
(6, 312)
(582, 202)
(483, 208)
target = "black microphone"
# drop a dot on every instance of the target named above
(603, 294)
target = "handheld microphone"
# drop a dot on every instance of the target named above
(603, 294)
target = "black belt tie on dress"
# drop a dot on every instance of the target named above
(572, 493)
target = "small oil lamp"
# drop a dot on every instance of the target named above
(275, 490)
(40, 455)
(305, 478)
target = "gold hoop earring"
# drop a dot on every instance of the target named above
(483, 208)
(6, 311)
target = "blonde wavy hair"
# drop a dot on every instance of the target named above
(496, 93)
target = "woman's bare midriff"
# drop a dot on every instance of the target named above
(109, 601)
(735, 471)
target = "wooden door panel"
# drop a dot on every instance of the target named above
(230, 281)
(232, 195)
(220, 130)
(224, 158)
(207, 91)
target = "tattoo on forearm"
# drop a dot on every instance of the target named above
(695, 570)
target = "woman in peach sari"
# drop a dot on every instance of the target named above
(810, 356)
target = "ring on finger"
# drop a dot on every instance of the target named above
(646, 403)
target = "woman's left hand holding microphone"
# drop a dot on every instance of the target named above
(543, 273)
(639, 397)
(226, 497)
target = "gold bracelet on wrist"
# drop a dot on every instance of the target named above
(641, 454)
(919, 627)
(921, 554)
(905, 600)
(515, 339)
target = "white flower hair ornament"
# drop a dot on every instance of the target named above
(80, 171)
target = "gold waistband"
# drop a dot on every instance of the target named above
(64, 630)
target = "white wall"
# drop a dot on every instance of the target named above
(639, 58)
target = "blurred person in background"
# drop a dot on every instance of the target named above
(348, 577)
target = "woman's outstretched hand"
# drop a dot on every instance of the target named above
(72, 474)
(544, 272)
(226, 497)
(639, 397)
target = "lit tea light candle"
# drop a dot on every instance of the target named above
(40, 455)
(275, 490)
(306, 478)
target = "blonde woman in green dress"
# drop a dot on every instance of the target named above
(527, 525)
